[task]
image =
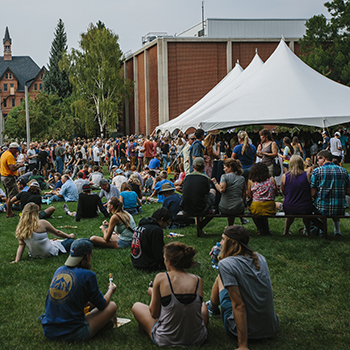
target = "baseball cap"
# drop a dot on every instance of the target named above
(238, 233)
(198, 161)
(119, 171)
(34, 184)
(337, 133)
(78, 250)
(86, 187)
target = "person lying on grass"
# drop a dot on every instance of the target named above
(243, 289)
(118, 232)
(176, 315)
(73, 287)
(32, 232)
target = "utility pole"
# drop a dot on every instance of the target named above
(27, 110)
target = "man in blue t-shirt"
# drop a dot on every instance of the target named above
(155, 162)
(196, 149)
(158, 186)
(73, 286)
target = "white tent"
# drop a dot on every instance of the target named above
(218, 97)
(284, 91)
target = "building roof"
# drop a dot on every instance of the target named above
(248, 28)
(23, 67)
(7, 36)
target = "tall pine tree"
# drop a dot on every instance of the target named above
(55, 80)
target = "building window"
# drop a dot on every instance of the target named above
(11, 86)
(5, 103)
(5, 87)
(41, 75)
(13, 102)
(35, 86)
(6, 76)
(21, 100)
(10, 75)
(41, 86)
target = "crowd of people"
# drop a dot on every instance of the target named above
(226, 173)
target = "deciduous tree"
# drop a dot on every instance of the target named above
(325, 45)
(96, 75)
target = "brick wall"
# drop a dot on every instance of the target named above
(193, 70)
(141, 90)
(153, 87)
(245, 51)
(130, 76)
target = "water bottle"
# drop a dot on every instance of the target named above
(214, 255)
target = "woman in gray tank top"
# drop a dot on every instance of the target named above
(267, 150)
(176, 315)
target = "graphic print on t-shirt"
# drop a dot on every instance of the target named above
(62, 286)
(136, 242)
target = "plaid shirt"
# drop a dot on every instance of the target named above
(331, 182)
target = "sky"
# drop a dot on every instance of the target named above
(32, 23)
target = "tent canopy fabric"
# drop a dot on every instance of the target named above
(283, 91)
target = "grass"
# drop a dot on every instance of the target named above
(310, 280)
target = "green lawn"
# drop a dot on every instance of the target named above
(310, 280)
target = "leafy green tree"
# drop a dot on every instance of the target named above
(97, 77)
(325, 45)
(56, 80)
(50, 117)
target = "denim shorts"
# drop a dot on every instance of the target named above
(152, 332)
(124, 244)
(226, 312)
(83, 333)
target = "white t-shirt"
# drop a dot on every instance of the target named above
(96, 152)
(334, 145)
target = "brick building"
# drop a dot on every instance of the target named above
(173, 73)
(15, 71)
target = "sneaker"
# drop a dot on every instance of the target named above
(212, 312)
(244, 221)
(337, 234)
(65, 208)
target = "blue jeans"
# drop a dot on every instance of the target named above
(59, 165)
(55, 198)
(67, 243)
(166, 160)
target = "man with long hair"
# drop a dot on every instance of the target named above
(243, 290)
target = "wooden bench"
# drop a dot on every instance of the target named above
(201, 222)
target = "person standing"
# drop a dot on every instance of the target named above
(59, 153)
(149, 149)
(335, 146)
(267, 149)
(185, 154)
(8, 171)
(196, 149)
(32, 157)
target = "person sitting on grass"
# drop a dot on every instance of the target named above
(88, 205)
(148, 241)
(118, 232)
(246, 303)
(32, 232)
(158, 186)
(33, 195)
(172, 203)
(67, 193)
(129, 199)
(108, 190)
(73, 287)
(176, 315)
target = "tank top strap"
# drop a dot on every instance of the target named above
(195, 292)
(171, 287)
